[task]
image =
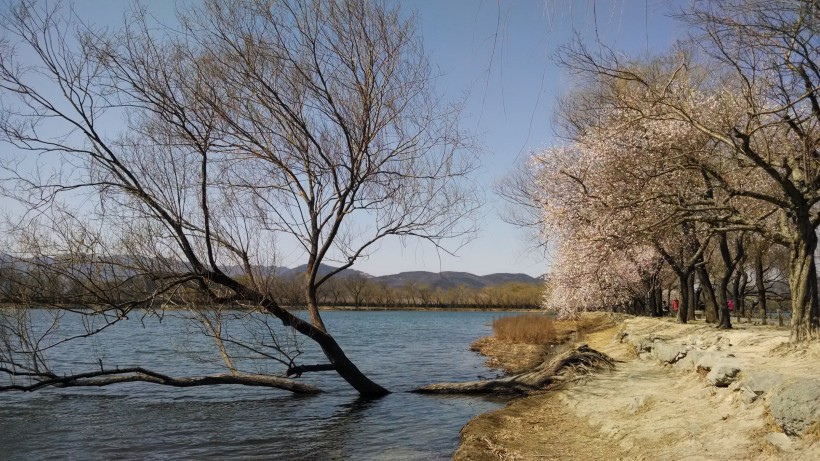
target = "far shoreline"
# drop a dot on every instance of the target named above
(97, 309)
(424, 309)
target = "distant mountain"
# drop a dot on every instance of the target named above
(443, 280)
(447, 280)
(266, 271)
(434, 280)
(324, 269)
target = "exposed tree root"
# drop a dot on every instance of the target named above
(572, 363)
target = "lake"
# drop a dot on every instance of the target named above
(400, 350)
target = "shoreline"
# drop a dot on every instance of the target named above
(674, 394)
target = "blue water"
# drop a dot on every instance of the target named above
(400, 350)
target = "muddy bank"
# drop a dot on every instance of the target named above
(678, 392)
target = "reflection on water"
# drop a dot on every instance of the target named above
(400, 350)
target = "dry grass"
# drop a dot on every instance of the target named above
(812, 434)
(511, 357)
(759, 435)
(630, 351)
(525, 329)
(540, 329)
(593, 321)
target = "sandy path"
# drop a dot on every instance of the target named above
(534, 428)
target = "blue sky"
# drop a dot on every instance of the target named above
(497, 55)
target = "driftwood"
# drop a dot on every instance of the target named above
(565, 366)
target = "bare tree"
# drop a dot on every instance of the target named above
(253, 122)
(357, 287)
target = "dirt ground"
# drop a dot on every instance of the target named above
(644, 410)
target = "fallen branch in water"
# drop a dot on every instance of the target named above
(139, 374)
(579, 361)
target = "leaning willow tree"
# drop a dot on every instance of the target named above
(158, 166)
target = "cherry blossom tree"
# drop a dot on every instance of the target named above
(751, 87)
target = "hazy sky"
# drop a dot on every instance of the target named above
(497, 55)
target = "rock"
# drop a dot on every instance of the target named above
(779, 440)
(688, 362)
(745, 394)
(694, 340)
(796, 405)
(668, 353)
(642, 343)
(722, 374)
(636, 404)
(707, 360)
(722, 343)
(761, 382)
(646, 344)
(636, 340)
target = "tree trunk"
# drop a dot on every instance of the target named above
(312, 298)
(313, 309)
(740, 292)
(729, 265)
(339, 361)
(724, 321)
(334, 353)
(761, 287)
(659, 298)
(803, 286)
(735, 294)
(650, 302)
(683, 306)
(692, 295)
(711, 311)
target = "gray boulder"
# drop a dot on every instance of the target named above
(722, 374)
(708, 359)
(760, 381)
(688, 362)
(668, 353)
(796, 405)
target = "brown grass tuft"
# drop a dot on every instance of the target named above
(812, 433)
(526, 329)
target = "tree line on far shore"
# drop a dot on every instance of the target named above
(359, 291)
(28, 284)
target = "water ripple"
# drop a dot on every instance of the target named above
(400, 350)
